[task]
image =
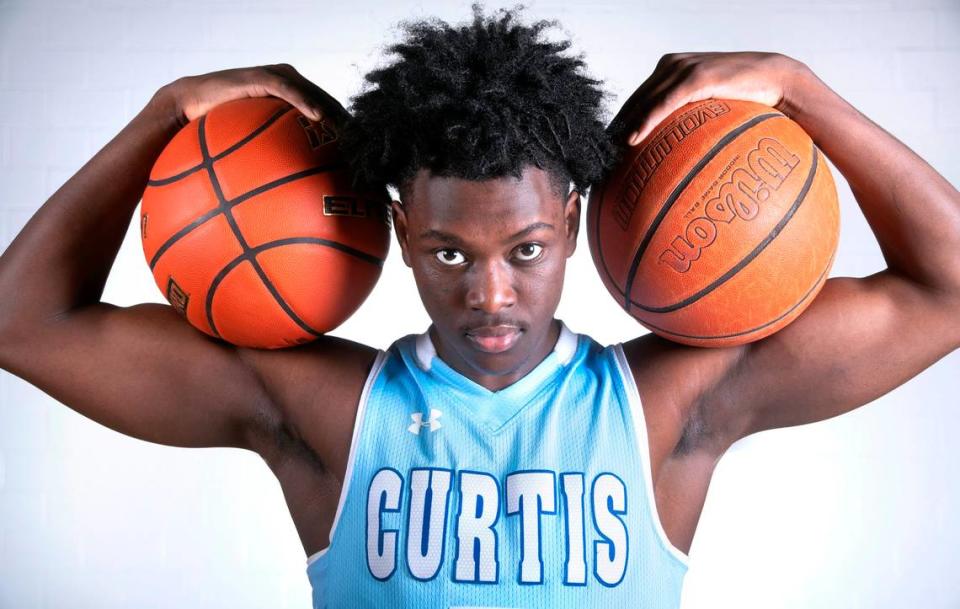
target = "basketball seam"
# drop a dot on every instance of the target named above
(755, 328)
(675, 195)
(223, 272)
(729, 274)
(212, 174)
(175, 178)
(237, 201)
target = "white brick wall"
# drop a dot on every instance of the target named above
(854, 512)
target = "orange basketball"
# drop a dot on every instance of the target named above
(252, 230)
(720, 227)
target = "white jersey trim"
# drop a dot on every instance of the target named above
(357, 424)
(566, 346)
(640, 425)
(425, 351)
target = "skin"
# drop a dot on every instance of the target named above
(485, 254)
(141, 371)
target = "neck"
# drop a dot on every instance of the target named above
(495, 381)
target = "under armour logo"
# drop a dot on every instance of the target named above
(418, 422)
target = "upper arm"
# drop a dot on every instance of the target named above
(144, 372)
(859, 339)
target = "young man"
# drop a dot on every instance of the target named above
(497, 459)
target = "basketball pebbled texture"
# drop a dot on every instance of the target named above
(721, 225)
(251, 228)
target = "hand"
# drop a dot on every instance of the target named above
(681, 78)
(190, 97)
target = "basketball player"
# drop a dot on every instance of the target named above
(497, 459)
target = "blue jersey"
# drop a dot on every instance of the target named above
(536, 495)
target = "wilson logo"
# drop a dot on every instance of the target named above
(653, 155)
(768, 166)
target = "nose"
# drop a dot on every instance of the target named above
(490, 287)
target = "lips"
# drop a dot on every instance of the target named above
(494, 339)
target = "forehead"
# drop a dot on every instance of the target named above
(449, 203)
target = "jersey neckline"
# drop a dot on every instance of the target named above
(496, 407)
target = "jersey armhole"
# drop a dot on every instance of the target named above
(378, 363)
(640, 427)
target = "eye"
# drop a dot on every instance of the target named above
(529, 251)
(449, 257)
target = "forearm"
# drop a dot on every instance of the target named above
(913, 211)
(61, 258)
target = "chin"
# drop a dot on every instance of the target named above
(500, 362)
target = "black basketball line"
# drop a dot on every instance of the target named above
(284, 180)
(677, 191)
(182, 233)
(252, 252)
(754, 329)
(230, 150)
(273, 118)
(237, 201)
(208, 162)
(346, 249)
(774, 232)
(175, 178)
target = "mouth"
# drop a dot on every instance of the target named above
(494, 339)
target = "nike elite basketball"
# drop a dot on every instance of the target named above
(720, 227)
(253, 231)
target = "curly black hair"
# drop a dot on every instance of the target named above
(476, 101)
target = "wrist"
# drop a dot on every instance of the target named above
(800, 86)
(164, 108)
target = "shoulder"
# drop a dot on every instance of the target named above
(675, 383)
(314, 391)
(335, 365)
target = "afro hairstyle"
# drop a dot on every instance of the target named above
(476, 101)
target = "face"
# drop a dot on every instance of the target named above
(488, 258)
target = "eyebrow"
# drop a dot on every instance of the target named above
(450, 238)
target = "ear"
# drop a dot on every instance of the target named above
(400, 228)
(571, 221)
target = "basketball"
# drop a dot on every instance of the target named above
(720, 227)
(253, 231)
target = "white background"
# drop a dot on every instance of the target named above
(854, 512)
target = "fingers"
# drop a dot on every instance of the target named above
(624, 122)
(674, 92)
(194, 96)
(671, 85)
(283, 81)
(290, 85)
(682, 78)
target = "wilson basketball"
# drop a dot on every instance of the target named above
(720, 227)
(252, 230)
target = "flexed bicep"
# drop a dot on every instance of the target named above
(145, 373)
(858, 340)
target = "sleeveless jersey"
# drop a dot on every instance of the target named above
(536, 495)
